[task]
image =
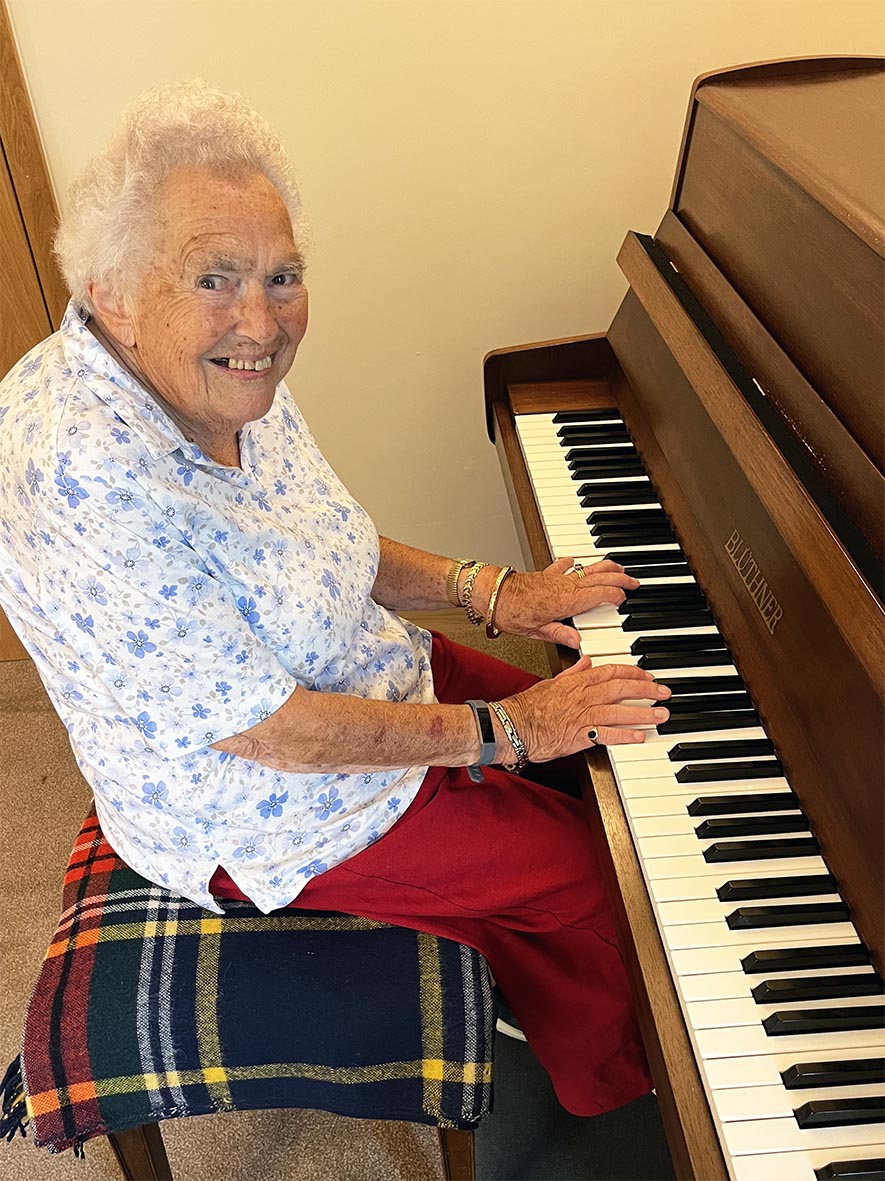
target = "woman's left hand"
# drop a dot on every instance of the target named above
(534, 604)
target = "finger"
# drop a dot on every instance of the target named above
(595, 596)
(559, 566)
(626, 689)
(618, 736)
(559, 633)
(629, 715)
(614, 672)
(580, 666)
(613, 578)
(603, 565)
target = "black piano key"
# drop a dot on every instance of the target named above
(730, 748)
(590, 439)
(761, 850)
(682, 686)
(661, 608)
(817, 988)
(604, 455)
(787, 1022)
(646, 622)
(610, 535)
(665, 593)
(718, 827)
(709, 702)
(747, 889)
(607, 414)
(724, 720)
(716, 772)
(706, 642)
(781, 801)
(610, 471)
(649, 557)
(594, 433)
(627, 516)
(802, 914)
(675, 570)
(639, 492)
(686, 605)
(856, 1072)
(841, 1113)
(658, 660)
(801, 959)
(872, 1169)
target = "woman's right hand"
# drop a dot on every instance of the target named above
(553, 717)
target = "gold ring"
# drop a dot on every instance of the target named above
(579, 570)
(593, 735)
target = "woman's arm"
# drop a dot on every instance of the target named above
(330, 732)
(410, 579)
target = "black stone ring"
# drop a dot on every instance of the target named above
(593, 735)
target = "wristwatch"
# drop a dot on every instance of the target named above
(489, 746)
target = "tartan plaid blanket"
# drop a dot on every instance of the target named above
(149, 1007)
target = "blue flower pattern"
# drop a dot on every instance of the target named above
(161, 594)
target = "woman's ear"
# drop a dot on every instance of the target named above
(113, 312)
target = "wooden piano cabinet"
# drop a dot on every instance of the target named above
(691, 1134)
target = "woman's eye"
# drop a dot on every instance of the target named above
(210, 282)
(285, 279)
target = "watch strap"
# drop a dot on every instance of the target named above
(489, 746)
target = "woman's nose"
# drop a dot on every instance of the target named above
(255, 314)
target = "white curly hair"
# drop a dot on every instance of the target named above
(105, 234)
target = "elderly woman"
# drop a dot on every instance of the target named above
(214, 616)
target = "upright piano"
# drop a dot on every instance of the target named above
(724, 441)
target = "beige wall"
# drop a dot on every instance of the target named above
(469, 168)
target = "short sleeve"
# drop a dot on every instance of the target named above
(161, 645)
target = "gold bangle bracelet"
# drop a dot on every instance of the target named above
(458, 564)
(467, 601)
(491, 631)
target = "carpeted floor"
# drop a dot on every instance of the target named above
(44, 800)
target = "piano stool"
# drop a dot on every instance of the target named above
(133, 970)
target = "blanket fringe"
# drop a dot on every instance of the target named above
(14, 1116)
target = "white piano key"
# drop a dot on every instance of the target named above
(684, 866)
(743, 1011)
(709, 910)
(796, 1166)
(743, 1040)
(712, 986)
(680, 823)
(784, 1135)
(698, 961)
(751, 1103)
(764, 1070)
(675, 803)
(679, 938)
(690, 887)
(661, 781)
(660, 744)
(610, 641)
(686, 845)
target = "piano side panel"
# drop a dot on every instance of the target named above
(691, 1134)
(814, 694)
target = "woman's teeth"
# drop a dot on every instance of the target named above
(232, 363)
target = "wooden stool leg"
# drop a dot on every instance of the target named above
(456, 1146)
(142, 1154)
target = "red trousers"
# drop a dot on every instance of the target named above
(506, 867)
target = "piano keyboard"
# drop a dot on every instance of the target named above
(781, 1002)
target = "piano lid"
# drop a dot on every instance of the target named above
(777, 224)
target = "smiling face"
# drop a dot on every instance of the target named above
(214, 323)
